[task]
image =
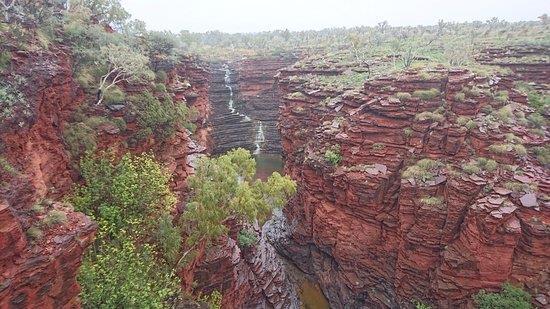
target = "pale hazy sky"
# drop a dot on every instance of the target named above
(261, 15)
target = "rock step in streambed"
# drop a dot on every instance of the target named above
(230, 128)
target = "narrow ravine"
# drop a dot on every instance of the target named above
(228, 119)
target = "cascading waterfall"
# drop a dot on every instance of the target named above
(227, 84)
(260, 138)
(260, 135)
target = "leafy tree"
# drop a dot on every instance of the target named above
(510, 297)
(125, 276)
(223, 189)
(159, 117)
(127, 196)
(130, 199)
(124, 65)
(161, 46)
(109, 12)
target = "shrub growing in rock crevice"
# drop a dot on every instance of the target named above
(333, 155)
(423, 171)
(509, 297)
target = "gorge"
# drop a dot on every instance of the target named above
(419, 176)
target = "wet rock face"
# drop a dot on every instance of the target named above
(229, 127)
(258, 97)
(376, 236)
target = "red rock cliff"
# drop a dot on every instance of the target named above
(40, 273)
(38, 170)
(377, 237)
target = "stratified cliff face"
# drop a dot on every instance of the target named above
(38, 267)
(529, 63)
(229, 127)
(248, 278)
(258, 97)
(40, 273)
(383, 227)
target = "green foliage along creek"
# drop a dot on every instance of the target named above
(139, 245)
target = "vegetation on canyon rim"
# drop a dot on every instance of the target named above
(140, 244)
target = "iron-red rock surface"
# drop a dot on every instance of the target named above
(373, 238)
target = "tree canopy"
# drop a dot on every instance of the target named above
(223, 188)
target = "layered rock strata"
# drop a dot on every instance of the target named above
(258, 97)
(229, 127)
(383, 228)
(42, 272)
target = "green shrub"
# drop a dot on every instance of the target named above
(421, 305)
(502, 96)
(129, 199)
(505, 114)
(466, 122)
(432, 200)
(403, 96)
(424, 170)
(246, 238)
(11, 101)
(169, 238)
(35, 233)
(161, 76)
(407, 132)
(460, 96)
(333, 156)
(114, 95)
(510, 297)
(517, 187)
(160, 87)
(480, 164)
(472, 92)
(95, 122)
(160, 117)
(542, 154)
(126, 276)
(79, 139)
(5, 60)
(54, 217)
(37, 208)
(214, 300)
(7, 167)
(538, 101)
(426, 95)
(86, 79)
(378, 146)
(536, 120)
(119, 123)
(123, 195)
(296, 96)
(431, 116)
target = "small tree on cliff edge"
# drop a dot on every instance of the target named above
(223, 189)
(123, 64)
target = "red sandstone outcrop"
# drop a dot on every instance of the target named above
(40, 273)
(374, 238)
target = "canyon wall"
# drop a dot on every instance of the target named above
(37, 170)
(383, 228)
(40, 273)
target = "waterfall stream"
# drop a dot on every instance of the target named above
(259, 139)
